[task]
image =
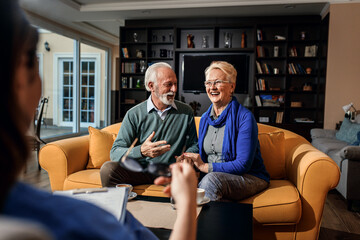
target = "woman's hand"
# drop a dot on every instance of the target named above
(183, 159)
(183, 182)
(183, 190)
(195, 157)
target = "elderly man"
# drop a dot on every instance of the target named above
(164, 127)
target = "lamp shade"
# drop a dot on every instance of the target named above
(346, 108)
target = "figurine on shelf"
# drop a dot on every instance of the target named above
(205, 42)
(243, 40)
(135, 36)
(227, 39)
(190, 41)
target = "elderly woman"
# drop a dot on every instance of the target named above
(228, 141)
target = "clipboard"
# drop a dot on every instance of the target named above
(112, 200)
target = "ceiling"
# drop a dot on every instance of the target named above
(102, 18)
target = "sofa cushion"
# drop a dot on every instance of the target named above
(278, 204)
(326, 145)
(272, 147)
(348, 131)
(100, 144)
(89, 178)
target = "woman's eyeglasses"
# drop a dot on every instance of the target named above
(216, 83)
(157, 169)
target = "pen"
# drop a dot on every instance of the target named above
(89, 190)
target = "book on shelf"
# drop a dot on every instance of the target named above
(293, 52)
(279, 117)
(258, 67)
(260, 51)
(125, 52)
(258, 101)
(303, 120)
(267, 68)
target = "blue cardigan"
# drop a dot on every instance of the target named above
(241, 148)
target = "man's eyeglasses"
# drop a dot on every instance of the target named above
(216, 83)
(157, 169)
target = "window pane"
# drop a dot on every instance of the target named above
(91, 92)
(66, 67)
(91, 80)
(91, 117)
(83, 92)
(83, 116)
(84, 67)
(91, 104)
(83, 105)
(84, 80)
(92, 67)
(66, 80)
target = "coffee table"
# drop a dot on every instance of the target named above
(217, 220)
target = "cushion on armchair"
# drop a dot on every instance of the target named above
(272, 147)
(100, 144)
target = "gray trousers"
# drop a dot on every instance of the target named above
(111, 173)
(224, 186)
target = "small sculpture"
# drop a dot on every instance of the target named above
(205, 42)
(190, 41)
(227, 39)
(243, 40)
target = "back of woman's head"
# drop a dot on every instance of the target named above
(13, 147)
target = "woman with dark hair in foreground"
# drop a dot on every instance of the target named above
(64, 218)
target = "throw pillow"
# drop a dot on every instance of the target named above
(100, 144)
(272, 148)
(348, 131)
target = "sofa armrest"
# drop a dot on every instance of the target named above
(64, 157)
(351, 153)
(322, 133)
(314, 174)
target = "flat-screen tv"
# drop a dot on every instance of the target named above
(194, 65)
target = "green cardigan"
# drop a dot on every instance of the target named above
(178, 128)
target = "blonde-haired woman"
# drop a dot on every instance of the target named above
(228, 141)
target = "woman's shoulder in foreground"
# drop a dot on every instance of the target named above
(63, 216)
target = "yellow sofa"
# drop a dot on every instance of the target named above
(291, 208)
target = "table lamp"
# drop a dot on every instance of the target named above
(348, 113)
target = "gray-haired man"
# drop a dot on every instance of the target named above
(162, 125)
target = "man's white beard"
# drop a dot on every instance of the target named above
(163, 97)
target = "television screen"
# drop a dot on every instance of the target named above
(194, 65)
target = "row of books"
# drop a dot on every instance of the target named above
(261, 84)
(296, 68)
(264, 68)
(128, 67)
